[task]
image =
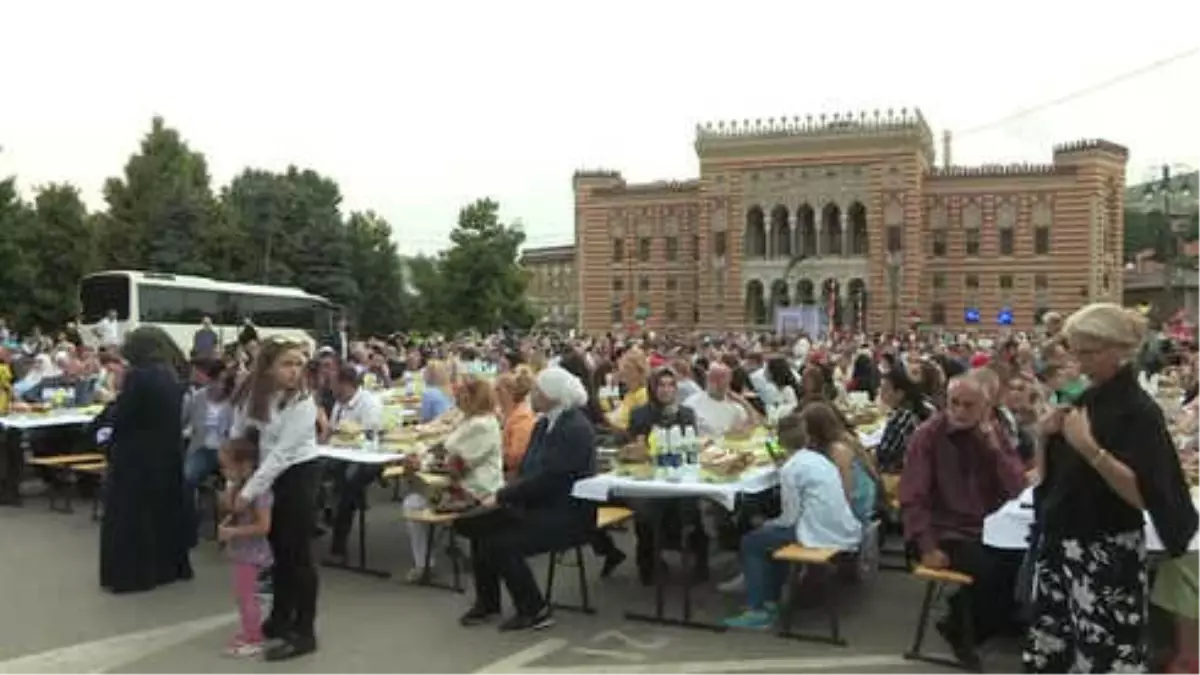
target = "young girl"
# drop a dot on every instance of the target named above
(245, 535)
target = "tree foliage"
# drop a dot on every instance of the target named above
(280, 228)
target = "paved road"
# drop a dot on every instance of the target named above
(56, 619)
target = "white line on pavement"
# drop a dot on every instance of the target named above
(519, 664)
(112, 653)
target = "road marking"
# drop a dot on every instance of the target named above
(634, 648)
(609, 654)
(647, 645)
(519, 664)
(112, 653)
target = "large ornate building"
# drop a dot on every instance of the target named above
(849, 213)
(552, 284)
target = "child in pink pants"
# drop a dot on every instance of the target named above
(245, 535)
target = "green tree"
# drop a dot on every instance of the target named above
(160, 212)
(64, 252)
(258, 245)
(18, 260)
(378, 273)
(429, 308)
(483, 280)
(320, 251)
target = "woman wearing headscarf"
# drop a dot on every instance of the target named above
(143, 535)
(535, 513)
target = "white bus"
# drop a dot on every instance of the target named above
(178, 304)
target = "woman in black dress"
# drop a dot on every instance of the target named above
(142, 535)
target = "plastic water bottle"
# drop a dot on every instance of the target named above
(658, 452)
(691, 447)
(674, 453)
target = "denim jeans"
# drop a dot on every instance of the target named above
(764, 577)
(198, 465)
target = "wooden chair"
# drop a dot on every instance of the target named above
(800, 558)
(607, 517)
(96, 470)
(935, 581)
(58, 470)
(432, 521)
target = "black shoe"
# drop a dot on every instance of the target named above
(964, 652)
(272, 631)
(477, 615)
(542, 619)
(291, 648)
(611, 562)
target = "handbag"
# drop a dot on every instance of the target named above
(1025, 592)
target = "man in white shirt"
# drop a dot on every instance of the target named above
(108, 332)
(357, 405)
(718, 410)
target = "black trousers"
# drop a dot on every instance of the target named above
(677, 516)
(990, 599)
(295, 573)
(501, 540)
(352, 496)
(12, 464)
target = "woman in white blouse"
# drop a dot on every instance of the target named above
(477, 443)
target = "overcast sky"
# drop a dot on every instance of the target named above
(417, 110)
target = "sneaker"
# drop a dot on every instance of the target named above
(756, 619)
(541, 620)
(244, 650)
(417, 575)
(734, 585)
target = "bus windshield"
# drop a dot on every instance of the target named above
(103, 292)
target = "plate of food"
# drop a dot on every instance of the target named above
(724, 464)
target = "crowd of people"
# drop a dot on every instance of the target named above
(971, 423)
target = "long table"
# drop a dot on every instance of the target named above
(1008, 527)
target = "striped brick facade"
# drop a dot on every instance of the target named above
(551, 287)
(769, 192)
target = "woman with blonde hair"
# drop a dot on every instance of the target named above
(476, 443)
(512, 393)
(438, 397)
(1108, 458)
(633, 371)
(534, 513)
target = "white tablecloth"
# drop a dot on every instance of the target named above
(871, 439)
(600, 488)
(1008, 528)
(62, 418)
(359, 456)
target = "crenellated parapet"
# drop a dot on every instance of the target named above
(1091, 145)
(596, 173)
(657, 187)
(1000, 171)
(849, 123)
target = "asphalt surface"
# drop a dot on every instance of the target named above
(57, 619)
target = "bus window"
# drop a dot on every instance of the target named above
(101, 293)
(199, 304)
(159, 304)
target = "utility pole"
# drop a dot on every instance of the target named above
(1168, 228)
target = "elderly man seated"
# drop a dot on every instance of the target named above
(959, 468)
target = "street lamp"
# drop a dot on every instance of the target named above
(893, 276)
(1168, 228)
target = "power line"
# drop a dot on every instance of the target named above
(1129, 75)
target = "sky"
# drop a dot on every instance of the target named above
(418, 108)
